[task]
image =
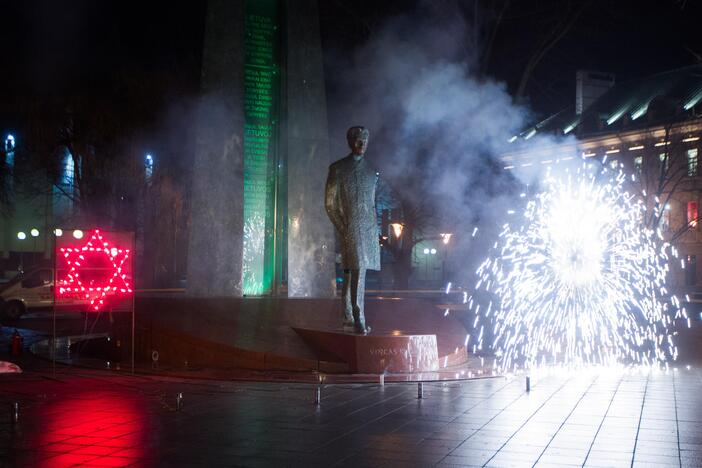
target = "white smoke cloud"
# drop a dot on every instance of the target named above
(412, 84)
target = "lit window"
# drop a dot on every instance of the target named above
(692, 214)
(638, 165)
(665, 219)
(692, 162)
(663, 158)
(613, 164)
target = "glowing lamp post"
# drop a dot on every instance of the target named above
(397, 229)
(445, 238)
(21, 236)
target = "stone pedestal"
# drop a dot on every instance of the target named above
(375, 354)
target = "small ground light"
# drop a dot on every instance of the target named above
(21, 235)
(78, 234)
(34, 232)
(58, 232)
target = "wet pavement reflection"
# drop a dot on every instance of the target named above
(601, 418)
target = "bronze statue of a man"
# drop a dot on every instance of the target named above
(350, 204)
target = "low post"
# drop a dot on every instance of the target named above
(420, 390)
(381, 380)
(14, 412)
(528, 383)
(318, 395)
(179, 401)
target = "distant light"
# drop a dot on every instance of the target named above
(615, 116)
(446, 237)
(78, 234)
(34, 232)
(639, 112)
(688, 139)
(570, 127)
(508, 167)
(58, 232)
(526, 164)
(634, 148)
(433, 251)
(21, 235)
(588, 154)
(148, 167)
(692, 102)
(531, 133)
(426, 251)
(662, 143)
(511, 140)
(9, 142)
(612, 151)
(114, 251)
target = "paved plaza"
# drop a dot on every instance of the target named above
(98, 418)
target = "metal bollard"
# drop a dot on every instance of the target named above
(14, 412)
(420, 390)
(381, 379)
(528, 384)
(318, 395)
(179, 401)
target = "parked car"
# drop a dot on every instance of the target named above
(30, 290)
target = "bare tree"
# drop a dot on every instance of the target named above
(665, 176)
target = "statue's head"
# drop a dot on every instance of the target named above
(357, 137)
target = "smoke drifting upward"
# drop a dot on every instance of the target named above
(436, 128)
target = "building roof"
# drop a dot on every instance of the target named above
(671, 96)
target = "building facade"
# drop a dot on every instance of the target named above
(651, 129)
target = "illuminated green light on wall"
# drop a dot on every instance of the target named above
(261, 91)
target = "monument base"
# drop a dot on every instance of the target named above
(267, 334)
(375, 354)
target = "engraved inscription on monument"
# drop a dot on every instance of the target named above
(261, 84)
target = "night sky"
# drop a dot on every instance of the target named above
(57, 46)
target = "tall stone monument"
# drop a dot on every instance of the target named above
(257, 217)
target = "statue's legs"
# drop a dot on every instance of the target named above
(346, 299)
(358, 290)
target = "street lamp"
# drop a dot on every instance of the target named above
(34, 233)
(445, 238)
(397, 229)
(78, 234)
(9, 143)
(21, 236)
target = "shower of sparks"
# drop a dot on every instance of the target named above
(577, 280)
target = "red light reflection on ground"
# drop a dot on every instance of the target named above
(97, 428)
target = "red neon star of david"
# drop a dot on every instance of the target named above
(76, 258)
